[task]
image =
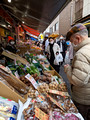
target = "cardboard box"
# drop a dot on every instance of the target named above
(14, 77)
(52, 68)
(53, 72)
(38, 52)
(6, 92)
(23, 49)
(14, 57)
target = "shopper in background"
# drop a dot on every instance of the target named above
(79, 73)
(46, 45)
(70, 50)
(63, 47)
(43, 44)
(37, 43)
(11, 46)
(53, 50)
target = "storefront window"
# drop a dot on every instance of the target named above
(51, 30)
(56, 26)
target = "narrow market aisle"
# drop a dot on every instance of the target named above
(62, 73)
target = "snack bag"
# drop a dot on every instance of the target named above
(9, 106)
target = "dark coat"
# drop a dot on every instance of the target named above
(11, 48)
(64, 45)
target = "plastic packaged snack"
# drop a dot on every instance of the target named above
(53, 86)
(8, 106)
(43, 88)
(7, 116)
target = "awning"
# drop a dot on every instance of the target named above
(30, 30)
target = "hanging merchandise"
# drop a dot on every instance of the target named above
(2, 32)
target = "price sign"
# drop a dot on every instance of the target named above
(40, 114)
(54, 101)
(42, 98)
(2, 67)
(64, 94)
(32, 80)
(5, 68)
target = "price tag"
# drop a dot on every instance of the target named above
(6, 69)
(54, 101)
(40, 114)
(2, 67)
(34, 61)
(64, 94)
(32, 80)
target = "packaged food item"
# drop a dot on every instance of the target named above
(71, 117)
(29, 112)
(6, 83)
(13, 82)
(7, 116)
(8, 106)
(68, 106)
(43, 88)
(35, 76)
(32, 93)
(62, 87)
(45, 78)
(25, 80)
(57, 116)
(47, 74)
(53, 86)
(44, 106)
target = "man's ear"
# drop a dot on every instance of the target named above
(78, 37)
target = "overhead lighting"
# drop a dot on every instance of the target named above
(23, 22)
(9, 1)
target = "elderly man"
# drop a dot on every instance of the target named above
(79, 73)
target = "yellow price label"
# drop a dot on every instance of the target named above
(40, 114)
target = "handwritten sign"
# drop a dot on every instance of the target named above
(32, 80)
(64, 94)
(40, 114)
(54, 101)
(41, 97)
(2, 67)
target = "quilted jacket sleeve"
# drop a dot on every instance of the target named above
(79, 73)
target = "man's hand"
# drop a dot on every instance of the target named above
(66, 65)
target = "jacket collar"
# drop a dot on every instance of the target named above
(83, 43)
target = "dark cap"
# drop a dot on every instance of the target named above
(76, 28)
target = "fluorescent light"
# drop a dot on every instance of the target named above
(23, 22)
(9, 1)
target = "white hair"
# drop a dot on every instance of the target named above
(83, 32)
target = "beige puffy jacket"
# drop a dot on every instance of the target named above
(79, 73)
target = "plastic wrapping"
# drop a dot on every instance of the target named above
(6, 83)
(9, 106)
(13, 82)
(7, 116)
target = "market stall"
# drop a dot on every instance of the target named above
(33, 80)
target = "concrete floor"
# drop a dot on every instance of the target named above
(63, 75)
